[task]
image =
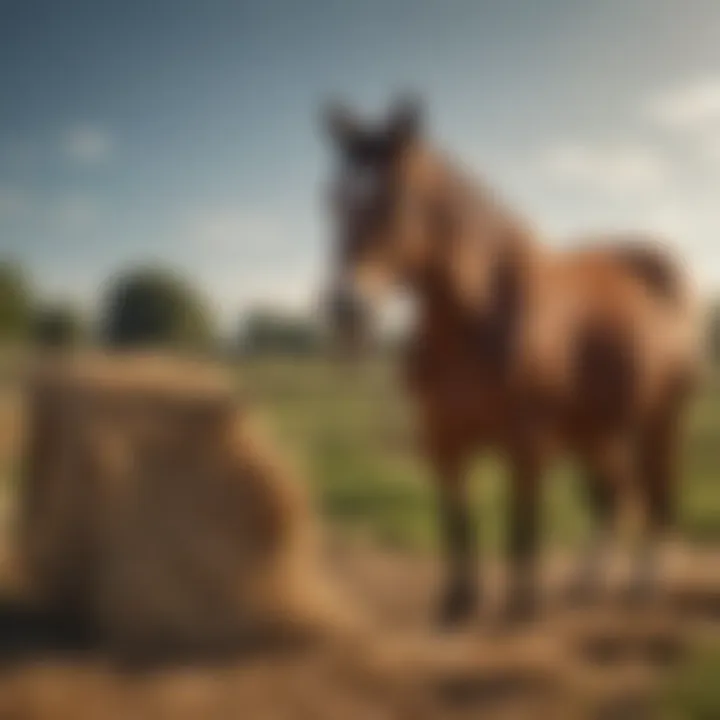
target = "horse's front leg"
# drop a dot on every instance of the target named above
(457, 534)
(523, 530)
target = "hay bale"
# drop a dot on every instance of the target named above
(153, 509)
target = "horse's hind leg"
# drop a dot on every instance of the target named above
(658, 467)
(602, 489)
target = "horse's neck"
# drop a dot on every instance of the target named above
(484, 255)
(486, 321)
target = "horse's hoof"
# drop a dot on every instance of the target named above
(456, 607)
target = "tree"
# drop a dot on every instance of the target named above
(155, 307)
(58, 326)
(15, 303)
(267, 330)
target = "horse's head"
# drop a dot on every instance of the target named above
(381, 199)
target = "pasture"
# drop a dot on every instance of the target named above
(352, 430)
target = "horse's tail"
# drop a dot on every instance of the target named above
(654, 266)
(666, 278)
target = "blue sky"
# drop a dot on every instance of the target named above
(187, 131)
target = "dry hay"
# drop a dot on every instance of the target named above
(154, 510)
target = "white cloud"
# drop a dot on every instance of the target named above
(224, 229)
(671, 220)
(87, 144)
(692, 111)
(246, 256)
(709, 146)
(609, 168)
(687, 107)
(292, 287)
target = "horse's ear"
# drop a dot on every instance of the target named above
(406, 119)
(340, 123)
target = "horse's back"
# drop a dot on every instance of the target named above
(613, 329)
(645, 261)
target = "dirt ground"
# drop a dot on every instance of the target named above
(601, 662)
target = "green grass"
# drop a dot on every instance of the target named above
(352, 433)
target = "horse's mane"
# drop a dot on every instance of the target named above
(487, 201)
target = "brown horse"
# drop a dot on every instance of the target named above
(517, 348)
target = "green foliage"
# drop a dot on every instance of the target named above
(15, 303)
(58, 326)
(272, 331)
(154, 307)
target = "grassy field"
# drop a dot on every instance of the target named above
(352, 434)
